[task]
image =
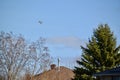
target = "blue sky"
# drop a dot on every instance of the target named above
(67, 24)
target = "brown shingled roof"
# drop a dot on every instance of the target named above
(55, 74)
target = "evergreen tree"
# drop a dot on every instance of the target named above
(99, 54)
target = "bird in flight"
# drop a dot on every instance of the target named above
(40, 22)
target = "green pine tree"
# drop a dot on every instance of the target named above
(99, 54)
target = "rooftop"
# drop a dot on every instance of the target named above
(58, 73)
(113, 72)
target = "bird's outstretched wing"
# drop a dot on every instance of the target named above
(40, 22)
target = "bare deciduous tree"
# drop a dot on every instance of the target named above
(39, 60)
(13, 55)
(17, 57)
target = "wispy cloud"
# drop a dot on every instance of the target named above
(69, 41)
